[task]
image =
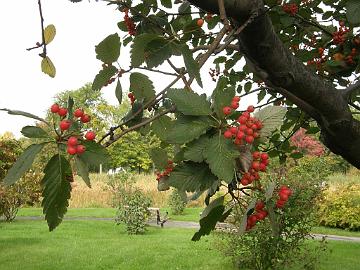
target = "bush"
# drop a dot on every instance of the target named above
(24, 192)
(340, 206)
(131, 202)
(177, 202)
(263, 247)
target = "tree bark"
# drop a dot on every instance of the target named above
(340, 132)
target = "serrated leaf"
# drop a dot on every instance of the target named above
(188, 128)
(272, 118)
(26, 114)
(102, 78)
(161, 126)
(166, 3)
(189, 103)
(209, 217)
(108, 50)
(95, 154)
(48, 67)
(157, 51)
(49, 33)
(138, 105)
(220, 155)
(34, 132)
(118, 92)
(22, 164)
(56, 190)
(141, 86)
(194, 151)
(222, 96)
(192, 177)
(83, 170)
(244, 161)
(159, 157)
(191, 65)
(353, 11)
(138, 48)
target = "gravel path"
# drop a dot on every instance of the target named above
(192, 225)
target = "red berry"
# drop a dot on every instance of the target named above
(234, 105)
(228, 134)
(244, 181)
(78, 113)
(62, 111)
(262, 167)
(65, 124)
(259, 205)
(71, 150)
(242, 120)
(131, 95)
(264, 156)
(242, 128)
(80, 149)
(249, 139)
(259, 125)
(236, 99)
(252, 219)
(55, 108)
(255, 165)
(200, 22)
(246, 115)
(90, 135)
(240, 135)
(280, 204)
(256, 155)
(283, 196)
(227, 110)
(249, 131)
(85, 118)
(233, 130)
(72, 141)
(250, 109)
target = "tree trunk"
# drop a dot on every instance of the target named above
(291, 78)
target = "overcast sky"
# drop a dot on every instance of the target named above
(79, 28)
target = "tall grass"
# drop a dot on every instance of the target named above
(352, 176)
(100, 196)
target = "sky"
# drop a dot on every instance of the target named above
(79, 27)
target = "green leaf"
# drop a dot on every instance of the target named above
(188, 128)
(56, 190)
(353, 11)
(209, 217)
(161, 126)
(189, 103)
(108, 50)
(95, 154)
(28, 115)
(222, 96)
(141, 86)
(157, 51)
(102, 78)
(166, 3)
(194, 151)
(296, 155)
(192, 177)
(49, 33)
(272, 118)
(191, 65)
(22, 164)
(83, 170)
(48, 67)
(250, 208)
(70, 108)
(34, 132)
(118, 92)
(220, 155)
(159, 157)
(138, 48)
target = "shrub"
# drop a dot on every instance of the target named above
(24, 192)
(131, 202)
(340, 206)
(281, 243)
(177, 202)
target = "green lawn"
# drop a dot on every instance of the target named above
(27, 245)
(334, 231)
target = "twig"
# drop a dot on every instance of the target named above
(117, 137)
(223, 16)
(348, 91)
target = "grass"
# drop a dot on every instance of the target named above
(28, 245)
(335, 231)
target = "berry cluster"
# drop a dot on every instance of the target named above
(291, 9)
(248, 128)
(350, 58)
(169, 168)
(260, 214)
(339, 36)
(73, 144)
(129, 23)
(259, 164)
(132, 98)
(284, 194)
